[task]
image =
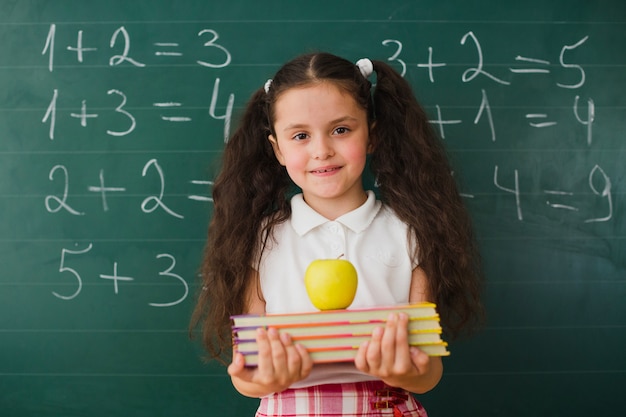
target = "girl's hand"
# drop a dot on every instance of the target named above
(389, 357)
(281, 363)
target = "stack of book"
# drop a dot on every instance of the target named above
(335, 336)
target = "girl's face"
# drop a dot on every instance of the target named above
(322, 139)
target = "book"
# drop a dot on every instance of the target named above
(309, 330)
(348, 354)
(362, 315)
(335, 335)
(340, 341)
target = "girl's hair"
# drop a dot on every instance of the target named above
(251, 195)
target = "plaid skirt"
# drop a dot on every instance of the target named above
(360, 399)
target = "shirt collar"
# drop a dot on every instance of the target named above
(304, 218)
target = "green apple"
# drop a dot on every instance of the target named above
(331, 283)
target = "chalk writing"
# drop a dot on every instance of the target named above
(168, 273)
(430, 65)
(470, 74)
(115, 278)
(119, 280)
(599, 184)
(79, 49)
(54, 203)
(591, 114)
(127, 120)
(526, 70)
(121, 40)
(158, 201)
(514, 191)
(573, 66)
(83, 115)
(229, 108)
(120, 109)
(123, 116)
(484, 107)
(201, 197)
(211, 43)
(48, 47)
(51, 114)
(63, 268)
(394, 56)
(119, 59)
(537, 120)
(604, 193)
(104, 190)
(440, 122)
(61, 202)
(599, 181)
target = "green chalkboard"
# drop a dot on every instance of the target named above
(113, 112)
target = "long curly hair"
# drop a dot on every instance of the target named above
(414, 178)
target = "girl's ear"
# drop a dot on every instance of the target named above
(277, 152)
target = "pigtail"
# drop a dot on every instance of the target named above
(244, 194)
(416, 181)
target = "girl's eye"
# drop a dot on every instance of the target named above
(342, 130)
(300, 136)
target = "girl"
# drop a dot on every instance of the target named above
(309, 132)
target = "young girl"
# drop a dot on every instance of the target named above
(309, 132)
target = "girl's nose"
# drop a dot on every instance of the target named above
(322, 147)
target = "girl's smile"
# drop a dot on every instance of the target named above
(324, 171)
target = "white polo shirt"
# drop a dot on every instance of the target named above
(371, 237)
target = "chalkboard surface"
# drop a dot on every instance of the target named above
(113, 112)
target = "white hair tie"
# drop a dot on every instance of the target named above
(365, 66)
(267, 85)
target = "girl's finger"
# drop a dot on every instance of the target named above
(266, 365)
(373, 354)
(279, 355)
(403, 355)
(294, 361)
(420, 360)
(237, 366)
(388, 342)
(360, 360)
(306, 363)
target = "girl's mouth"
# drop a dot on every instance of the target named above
(325, 170)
